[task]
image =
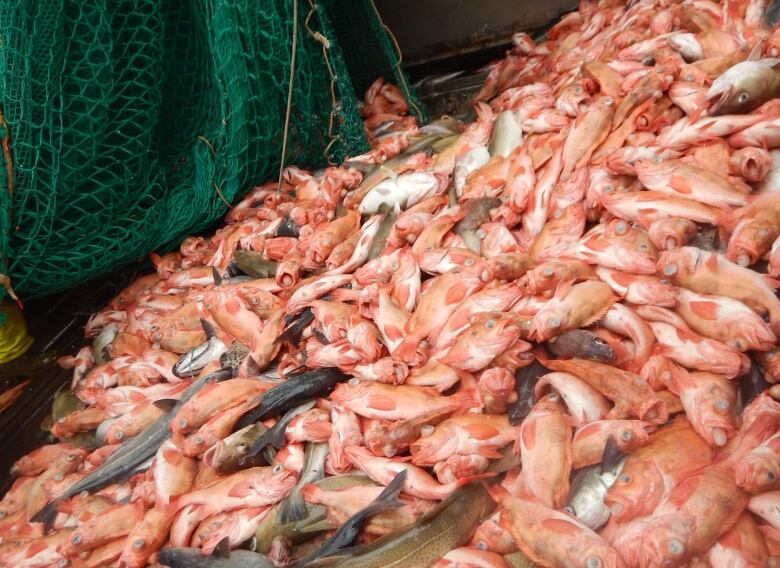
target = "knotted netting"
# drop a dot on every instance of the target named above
(133, 123)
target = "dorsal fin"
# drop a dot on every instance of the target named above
(217, 277)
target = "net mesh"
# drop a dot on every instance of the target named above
(131, 120)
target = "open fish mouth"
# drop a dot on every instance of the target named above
(717, 98)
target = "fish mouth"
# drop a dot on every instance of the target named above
(717, 99)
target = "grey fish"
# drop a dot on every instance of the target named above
(274, 436)
(525, 386)
(203, 354)
(193, 558)
(745, 86)
(297, 389)
(583, 344)
(288, 228)
(388, 220)
(507, 134)
(752, 384)
(477, 212)
(294, 329)
(255, 264)
(447, 526)
(229, 454)
(100, 345)
(131, 454)
(293, 508)
(348, 532)
(590, 485)
(313, 523)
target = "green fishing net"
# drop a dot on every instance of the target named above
(131, 122)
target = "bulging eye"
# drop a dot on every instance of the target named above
(625, 478)
(743, 97)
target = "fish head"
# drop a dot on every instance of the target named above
(633, 434)
(678, 264)
(686, 45)
(715, 400)
(636, 491)
(749, 241)
(672, 233)
(551, 321)
(666, 542)
(743, 87)
(758, 472)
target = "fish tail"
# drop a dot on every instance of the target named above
(388, 498)
(46, 516)
(293, 508)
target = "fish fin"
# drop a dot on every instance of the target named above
(165, 404)
(319, 526)
(222, 550)
(208, 328)
(216, 276)
(599, 315)
(755, 53)
(611, 456)
(563, 288)
(388, 498)
(242, 489)
(292, 509)
(46, 516)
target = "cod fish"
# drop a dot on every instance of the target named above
(132, 454)
(582, 344)
(293, 508)
(254, 264)
(223, 557)
(207, 352)
(448, 526)
(348, 532)
(745, 87)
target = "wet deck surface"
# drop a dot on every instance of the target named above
(57, 324)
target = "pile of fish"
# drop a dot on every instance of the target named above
(548, 336)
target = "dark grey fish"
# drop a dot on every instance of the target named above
(477, 212)
(295, 327)
(130, 455)
(255, 264)
(525, 385)
(348, 532)
(274, 436)
(378, 243)
(229, 454)
(293, 508)
(581, 344)
(752, 384)
(193, 558)
(297, 389)
(205, 353)
(100, 345)
(288, 228)
(590, 485)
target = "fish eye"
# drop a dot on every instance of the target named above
(675, 547)
(670, 270)
(722, 404)
(554, 322)
(627, 435)
(480, 234)
(139, 543)
(643, 247)
(426, 430)
(481, 546)
(770, 475)
(624, 478)
(183, 423)
(569, 509)
(743, 97)
(277, 468)
(354, 381)
(548, 271)
(468, 262)
(75, 539)
(119, 434)
(2, 514)
(593, 562)
(490, 323)
(558, 213)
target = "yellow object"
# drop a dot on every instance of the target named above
(14, 339)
